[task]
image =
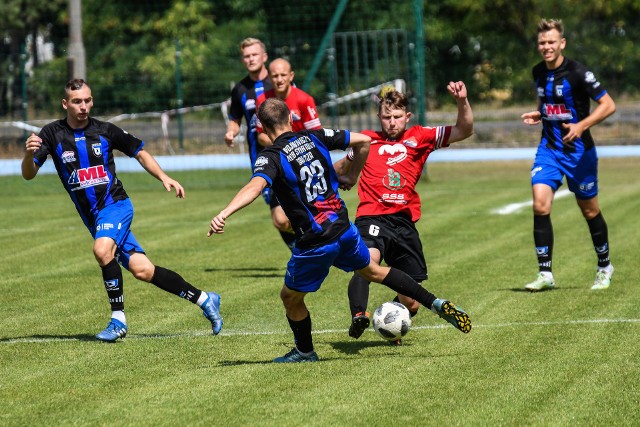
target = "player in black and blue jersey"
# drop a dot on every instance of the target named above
(82, 151)
(565, 89)
(299, 170)
(244, 97)
(245, 93)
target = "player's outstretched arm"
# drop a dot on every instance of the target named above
(243, 198)
(29, 167)
(150, 164)
(464, 124)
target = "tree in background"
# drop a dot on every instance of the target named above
(131, 62)
(22, 23)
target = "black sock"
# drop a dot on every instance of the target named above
(543, 239)
(288, 238)
(402, 283)
(172, 282)
(600, 238)
(358, 292)
(302, 333)
(113, 283)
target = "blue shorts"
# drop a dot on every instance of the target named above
(114, 221)
(308, 268)
(580, 168)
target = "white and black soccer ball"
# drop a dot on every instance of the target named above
(391, 320)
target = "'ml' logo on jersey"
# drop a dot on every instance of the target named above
(88, 177)
(557, 112)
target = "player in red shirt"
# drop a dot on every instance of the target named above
(304, 116)
(389, 203)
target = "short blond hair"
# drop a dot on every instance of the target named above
(250, 41)
(545, 25)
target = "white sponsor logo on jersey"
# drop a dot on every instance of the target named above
(261, 161)
(392, 150)
(589, 77)
(68, 156)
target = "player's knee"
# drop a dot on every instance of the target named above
(103, 255)
(541, 207)
(284, 227)
(282, 224)
(589, 211)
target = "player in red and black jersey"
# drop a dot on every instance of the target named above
(304, 116)
(389, 203)
(82, 150)
(565, 89)
(298, 168)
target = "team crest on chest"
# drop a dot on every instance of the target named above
(97, 149)
(393, 180)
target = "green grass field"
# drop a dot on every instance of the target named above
(565, 357)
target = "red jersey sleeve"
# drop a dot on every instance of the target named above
(309, 113)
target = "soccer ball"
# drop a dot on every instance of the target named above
(391, 320)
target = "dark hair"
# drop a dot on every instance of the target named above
(74, 84)
(545, 25)
(393, 100)
(273, 113)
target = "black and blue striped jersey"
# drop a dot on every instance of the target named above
(564, 97)
(243, 104)
(299, 169)
(85, 164)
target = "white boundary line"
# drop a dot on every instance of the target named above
(516, 207)
(326, 331)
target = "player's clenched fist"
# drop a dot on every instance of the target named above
(217, 225)
(457, 89)
(33, 143)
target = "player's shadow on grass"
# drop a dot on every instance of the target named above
(349, 348)
(354, 347)
(44, 337)
(225, 363)
(526, 291)
(254, 272)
